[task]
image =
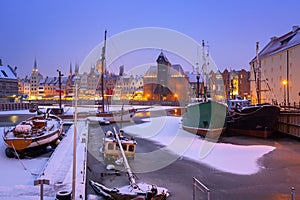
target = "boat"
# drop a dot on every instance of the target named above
(255, 120)
(33, 136)
(206, 119)
(134, 190)
(111, 150)
(258, 120)
(142, 192)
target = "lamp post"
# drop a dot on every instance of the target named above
(284, 82)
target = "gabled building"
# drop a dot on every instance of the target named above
(8, 83)
(279, 64)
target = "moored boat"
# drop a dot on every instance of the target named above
(120, 146)
(33, 135)
(205, 118)
(257, 120)
(111, 149)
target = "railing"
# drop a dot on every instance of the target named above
(290, 106)
(198, 186)
(14, 106)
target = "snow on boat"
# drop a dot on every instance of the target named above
(134, 190)
(111, 150)
(33, 135)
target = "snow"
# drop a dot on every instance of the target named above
(236, 159)
(17, 176)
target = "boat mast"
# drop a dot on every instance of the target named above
(258, 76)
(204, 70)
(127, 167)
(102, 70)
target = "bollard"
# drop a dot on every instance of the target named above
(292, 193)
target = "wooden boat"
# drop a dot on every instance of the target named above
(143, 192)
(205, 118)
(111, 150)
(134, 190)
(33, 135)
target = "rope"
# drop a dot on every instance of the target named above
(24, 167)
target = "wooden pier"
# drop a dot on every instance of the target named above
(289, 122)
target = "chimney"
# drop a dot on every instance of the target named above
(273, 38)
(295, 28)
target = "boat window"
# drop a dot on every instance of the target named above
(131, 148)
(110, 146)
(124, 147)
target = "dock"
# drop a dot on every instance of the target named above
(289, 122)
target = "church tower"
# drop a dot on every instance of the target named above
(35, 78)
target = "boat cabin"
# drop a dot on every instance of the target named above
(111, 148)
(238, 104)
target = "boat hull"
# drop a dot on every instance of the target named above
(38, 133)
(258, 121)
(206, 119)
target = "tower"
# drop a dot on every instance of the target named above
(163, 68)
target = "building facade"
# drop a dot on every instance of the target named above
(34, 79)
(275, 70)
(8, 83)
(165, 82)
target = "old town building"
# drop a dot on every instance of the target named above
(275, 69)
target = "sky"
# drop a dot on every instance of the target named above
(58, 33)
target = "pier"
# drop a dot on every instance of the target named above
(289, 122)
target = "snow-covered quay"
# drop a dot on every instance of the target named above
(18, 176)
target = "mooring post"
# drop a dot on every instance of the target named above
(292, 193)
(41, 183)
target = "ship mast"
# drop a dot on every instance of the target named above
(204, 70)
(102, 70)
(258, 75)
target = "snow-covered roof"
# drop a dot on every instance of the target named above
(7, 72)
(278, 44)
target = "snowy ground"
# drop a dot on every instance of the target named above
(17, 176)
(236, 159)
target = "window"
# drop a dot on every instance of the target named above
(110, 146)
(131, 148)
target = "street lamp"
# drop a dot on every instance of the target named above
(284, 82)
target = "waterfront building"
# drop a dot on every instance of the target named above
(194, 90)
(165, 82)
(278, 63)
(8, 83)
(35, 78)
(236, 83)
(24, 87)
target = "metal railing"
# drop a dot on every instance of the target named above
(198, 186)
